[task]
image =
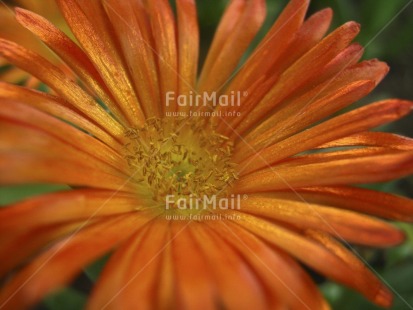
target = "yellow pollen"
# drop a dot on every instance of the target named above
(179, 157)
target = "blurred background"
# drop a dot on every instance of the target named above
(387, 34)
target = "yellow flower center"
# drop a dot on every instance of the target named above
(178, 164)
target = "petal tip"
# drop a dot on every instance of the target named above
(21, 14)
(384, 297)
(353, 27)
(327, 12)
(405, 106)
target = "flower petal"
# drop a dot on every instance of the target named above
(188, 47)
(309, 113)
(194, 284)
(13, 75)
(285, 119)
(322, 259)
(60, 207)
(57, 107)
(367, 169)
(100, 52)
(309, 34)
(269, 68)
(276, 41)
(163, 27)
(358, 120)
(166, 286)
(13, 254)
(63, 46)
(260, 87)
(238, 27)
(302, 72)
(237, 284)
(131, 273)
(361, 200)
(347, 225)
(15, 137)
(285, 279)
(30, 117)
(20, 168)
(59, 82)
(11, 30)
(378, 139)
(44, 273)
(130, 21)
(383, 297)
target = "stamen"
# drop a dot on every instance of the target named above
(181, 157)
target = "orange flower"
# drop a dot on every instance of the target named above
(206, 204)
(10, 29)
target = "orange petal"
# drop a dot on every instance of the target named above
(166, 286)
(237, 285)
(45, 273)
(322, 157)
(238, 27)
(232, 15)
(380, 139)
(297, 120)
(63, 46)
(260, 72)
(285, 116)
(73, 205)
(20, 168)
(276, 41)
(287, 281)
(366, 169)
(269, 68)
(302, 72)
(373, 70)
(362, 200)
(322, 259)
(286, 39)
(100, 52)
(359, 120)
(59, 82)
(194, 284)
(228, 118)
(309, 34)
(129, 20)
(332, 71)
(15, 137)
(131, 273)
(30, 117)
(188, 47)
(350, 226)
(164, 31)
(327, 80)
(57, 107)
(383, 297)
(13, 75)
(11, 30)
(13, 254)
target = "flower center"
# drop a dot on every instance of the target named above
(179, 163)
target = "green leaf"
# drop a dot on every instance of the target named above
(94, 270)
(404, 252)
(12, 194)
(65, 299)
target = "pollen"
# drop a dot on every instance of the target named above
(180, 157)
